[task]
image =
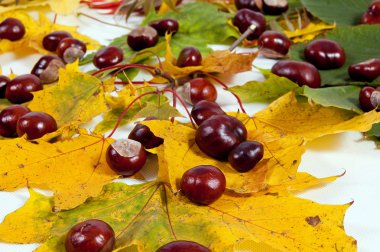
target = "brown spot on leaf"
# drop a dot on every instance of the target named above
(313, 221)
(21, 166)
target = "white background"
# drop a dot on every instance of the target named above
(331, 155)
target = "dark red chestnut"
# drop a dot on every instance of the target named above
(367, 70)
(71, 49)
(254, 5)
(325, 54)
(244, 18)
(203, 110)
(8, 119)
(189, 56)
(141, 133)
(36, 125)
(108, 56)
(142, 37)
(369, 99)
(183, 246)
(198, 89)
(275, 7)
(12, 29)
(220, 134)
(4, 80)
(126, 156)
(165, 25)
(302, 73)
(47, 68)
(203, 184)
(372, 15)
(369, 18)
(19, 89)
(274, 43)
(50, 41)
(246, 155)
(90, 236)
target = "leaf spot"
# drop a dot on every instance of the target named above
(313, 221)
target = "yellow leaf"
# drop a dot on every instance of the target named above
(35, 31)
(64, 6)
(309, 32)
(75, 99)
(73, 169)
(288, 124)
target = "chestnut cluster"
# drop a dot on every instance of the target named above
(147, 36)
(224, 137)
(128, 156)
(17, 120)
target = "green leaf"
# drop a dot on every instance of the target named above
(200, 24)
(162, 111)
(266, 91)
(341, 12)
(150, 215)
(360, 43)
(344, 97)
(375, 131)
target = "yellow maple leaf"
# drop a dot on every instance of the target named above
(35, 31)
(303, 122)
(75, 99)
(74, 169)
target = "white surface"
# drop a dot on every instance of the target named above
(327, 156)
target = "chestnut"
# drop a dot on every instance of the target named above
(325, 54)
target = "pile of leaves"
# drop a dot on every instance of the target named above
(258, 211)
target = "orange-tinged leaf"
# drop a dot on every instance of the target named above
(73, 169)
(145, 217)
(216, 62)
(35, 32)
(75, 99)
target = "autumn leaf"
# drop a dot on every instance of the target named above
(57, 6)
(216, 62)
(303, 122)
(146, 216)
(73, 169)
(309, 32)
(75, 99)
(35, 32)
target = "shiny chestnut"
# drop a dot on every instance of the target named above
(325, 54)
(302, 73)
